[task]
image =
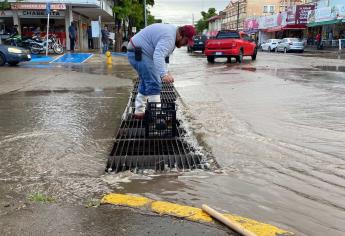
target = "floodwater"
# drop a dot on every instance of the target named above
(274, 126)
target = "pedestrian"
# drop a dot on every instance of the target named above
(89, 38)
(147, 51)
(318, 41)
(14, 30)
(72, 35)
(105, 39)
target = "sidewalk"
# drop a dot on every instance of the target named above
(312, 49)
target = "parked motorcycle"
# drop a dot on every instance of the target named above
(19, 41)
(40, 46)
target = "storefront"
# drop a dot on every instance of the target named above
(328, 19)
(271, 26)
(31, 18)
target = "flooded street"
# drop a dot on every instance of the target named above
(275, 127)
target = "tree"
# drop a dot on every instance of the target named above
(132, 12)
(202, 24)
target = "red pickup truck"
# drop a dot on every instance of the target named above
(230, 43)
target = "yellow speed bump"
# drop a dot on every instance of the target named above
(126, 200)
(190, 213)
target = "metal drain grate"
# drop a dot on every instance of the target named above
(157, 154)
(157, 143)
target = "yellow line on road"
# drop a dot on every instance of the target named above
(190, 213)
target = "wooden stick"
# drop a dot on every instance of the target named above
(231, 224)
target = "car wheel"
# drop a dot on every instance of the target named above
(13, 63)
(285, 50)
(210, 59)
(239, 58)
(228, 60)
(269, 49)
(2, 59)
(255, 54)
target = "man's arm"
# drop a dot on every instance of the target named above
(164, 46)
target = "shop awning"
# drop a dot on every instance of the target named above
(274, 29)
(294, 27)
(329, 22)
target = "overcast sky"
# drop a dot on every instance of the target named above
(179, 12)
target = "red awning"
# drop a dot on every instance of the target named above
(274, 29)
(294, 27)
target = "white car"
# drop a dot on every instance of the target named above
(290, 44)
(270, 45)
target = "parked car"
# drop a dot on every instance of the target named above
(290, 44)
(230, 43)
(13, 55)
(270, 45)
(198, 44)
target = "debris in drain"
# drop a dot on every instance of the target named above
(157, 142)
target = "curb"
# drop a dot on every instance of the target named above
(190, 213)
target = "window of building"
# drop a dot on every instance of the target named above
(269, 9)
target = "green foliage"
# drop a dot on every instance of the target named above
(133, 10)
(93, 203)
(203, 23)
(39, 197)
(5, 5)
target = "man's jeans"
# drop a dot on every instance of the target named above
(149, 81)
(105, 47)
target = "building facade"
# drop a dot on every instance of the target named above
(238, 10)
(30, 16)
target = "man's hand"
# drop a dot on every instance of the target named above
(168, 79)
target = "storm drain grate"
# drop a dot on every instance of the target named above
(158, 142)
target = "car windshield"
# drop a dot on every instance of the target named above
(228, 35)
(294, 40)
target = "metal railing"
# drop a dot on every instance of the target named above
(336, 43)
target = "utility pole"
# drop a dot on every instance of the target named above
(145, 13)
(238, 13)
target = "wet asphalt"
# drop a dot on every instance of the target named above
(275, 127)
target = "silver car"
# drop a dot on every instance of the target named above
(290, 44)
(270, 45)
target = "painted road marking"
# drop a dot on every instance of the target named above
(190, 213)
(41, 58)
(73, 58)
(123, 54)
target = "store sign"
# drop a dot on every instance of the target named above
(6, 14)
(37, 6)
(340, 11)
(251, 24)
(302, 12)
(95, 29)
(325, 14)
(273, 21)
(291, 15)
(40, 14)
